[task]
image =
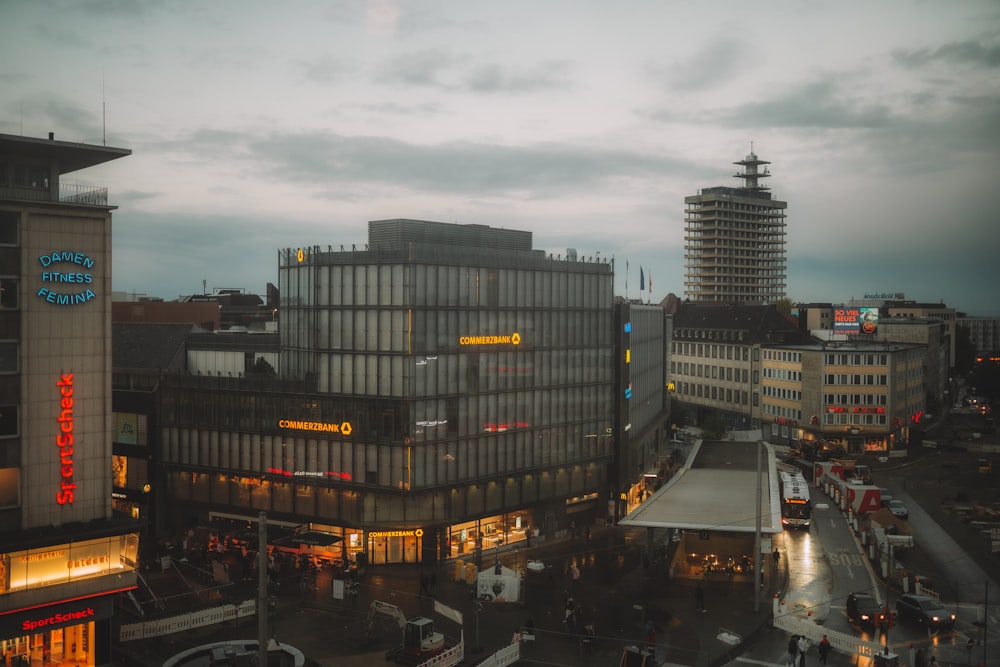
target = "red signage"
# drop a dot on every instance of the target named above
(64, 440)
(30, 624)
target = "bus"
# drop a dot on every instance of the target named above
(796, 508)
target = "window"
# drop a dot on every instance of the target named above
(10, 487)
(8, 356)
(8, 293)
(9, 222)
(8, 420)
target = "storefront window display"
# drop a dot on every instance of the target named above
(488, 533)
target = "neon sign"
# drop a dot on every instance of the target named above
(305, 473)
(344, 428)
(419, 532)
(55, 619)
(66, 278)
(64, 440)
(512, 339)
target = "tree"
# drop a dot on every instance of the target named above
(784, 306)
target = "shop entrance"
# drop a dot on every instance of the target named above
(68, 647)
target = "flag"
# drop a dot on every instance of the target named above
(642, 280)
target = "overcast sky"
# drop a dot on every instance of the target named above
(256, 126)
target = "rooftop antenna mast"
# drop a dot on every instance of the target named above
(104, 114)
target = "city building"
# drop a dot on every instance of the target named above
(64, 552)
(984, 332)
(714, 359)
(438, 394)
(863, 397)
(639, 433)
(734, 241)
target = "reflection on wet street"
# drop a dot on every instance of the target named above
(809, 582)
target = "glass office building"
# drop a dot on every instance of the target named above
(441, 391)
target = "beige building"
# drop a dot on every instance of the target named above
(864, 397)
(64, 553)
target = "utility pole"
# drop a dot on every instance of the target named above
(758, 564)
(262, 589)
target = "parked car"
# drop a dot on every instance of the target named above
(924, 610)
(885, 496)
(863, 611)
(898, 509)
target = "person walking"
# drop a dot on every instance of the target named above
(803, 646)
(776, 557)
(574, 573)
(793, 650)
(699, 599)
(824, 649)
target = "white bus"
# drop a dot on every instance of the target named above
(796, 508)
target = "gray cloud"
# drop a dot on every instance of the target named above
(712, 66)
(456, 73)
(494, 78)
(419, 68)
(954, 53)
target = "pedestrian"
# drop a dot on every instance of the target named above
(803, 646)
(699, 599)
(588, 637)
(793, 650)
(933, 662)
(824, 649)
(776, 557)
(920, 658)
(574, 574)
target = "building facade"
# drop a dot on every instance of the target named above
(862, 397)
(734, 241)
(64, 552)
(438, 394)
(984, 332)
(714, 359)
(640, 433)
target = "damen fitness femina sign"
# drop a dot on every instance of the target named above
(66, 278)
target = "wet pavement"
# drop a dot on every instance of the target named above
(615, 592)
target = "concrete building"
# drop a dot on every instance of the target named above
(984, 332)
(714, 359)
(639, 435)
(64, 552)
(438, 393)
(864, 397)
(734, 241)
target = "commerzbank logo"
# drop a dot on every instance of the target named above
(502, 339)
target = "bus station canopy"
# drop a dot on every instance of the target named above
(716, 490)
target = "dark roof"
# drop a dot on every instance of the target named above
(136, 345)
(69, 156)
(758, 324)
(43, 536)
(243, 340)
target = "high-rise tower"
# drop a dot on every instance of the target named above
(734, 240)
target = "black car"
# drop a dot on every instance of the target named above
(925, 611)
(863, 611)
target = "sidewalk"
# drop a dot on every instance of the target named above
(619, 597)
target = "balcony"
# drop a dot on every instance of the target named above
(69, 193)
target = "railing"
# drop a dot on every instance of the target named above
(197, 619)
(69, 193)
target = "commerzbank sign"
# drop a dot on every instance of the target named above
(501, 339)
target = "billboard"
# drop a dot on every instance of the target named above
(855, 320)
